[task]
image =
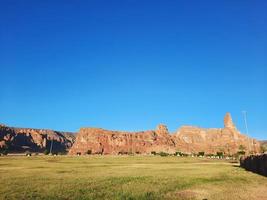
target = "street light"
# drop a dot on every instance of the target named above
(51, 146)
(246, 125)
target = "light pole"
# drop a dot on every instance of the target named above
(246, 125)
(51, 146)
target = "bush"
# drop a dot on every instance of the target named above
(178, 153)
(5, 152)
(28, 153)
(89, 152)
(153, 153)
(163, 154)
(201, 153)
(46, 152)
(220, 154)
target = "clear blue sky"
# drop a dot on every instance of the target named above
(129, 65)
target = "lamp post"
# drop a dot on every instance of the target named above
(51, 146)
(246, 125)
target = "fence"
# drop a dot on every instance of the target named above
(255, 163)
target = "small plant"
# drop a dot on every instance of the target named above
(46, 152)
(220, 154)
(89, 152)
(28, 153)
(178, 153)
(201, 153)
(153, 153)
(5, 152)
(163, 153)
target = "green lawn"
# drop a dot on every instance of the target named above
(126, 177)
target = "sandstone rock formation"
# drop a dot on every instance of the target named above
(35, 140)
(263, 146)
(103, 141)
(188, 139)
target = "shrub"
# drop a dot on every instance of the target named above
(5, 152)
(201, 153)
(163, 153)
(220, 154)
(28, 153)
(178, 153)
(153, 153)
(89, 152)
(46, 152)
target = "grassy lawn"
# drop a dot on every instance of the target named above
(126, 177)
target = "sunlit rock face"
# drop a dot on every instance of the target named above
(35, 140)
(103, 141)
(213, 140)
(187, 139)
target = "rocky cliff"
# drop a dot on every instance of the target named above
(263, 146)
(188, 139)
(103, 141)
(228, 139)
(34, 140)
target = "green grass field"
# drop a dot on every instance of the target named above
(126, 177)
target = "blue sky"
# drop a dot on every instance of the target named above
(130, 65)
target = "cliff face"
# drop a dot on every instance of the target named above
(35, 140)
(187, 139)
(227, 139)
(263, 146)
(115, 142)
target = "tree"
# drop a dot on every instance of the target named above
(220, 154)
(263, 148)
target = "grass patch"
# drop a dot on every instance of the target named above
(126, 177)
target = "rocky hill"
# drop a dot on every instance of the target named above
(34, 140)
(263, 146)
(188, 139)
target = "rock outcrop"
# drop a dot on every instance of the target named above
(100, 141)
(188, 139)
(263, 146)
(34, 140)
(228, 139)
